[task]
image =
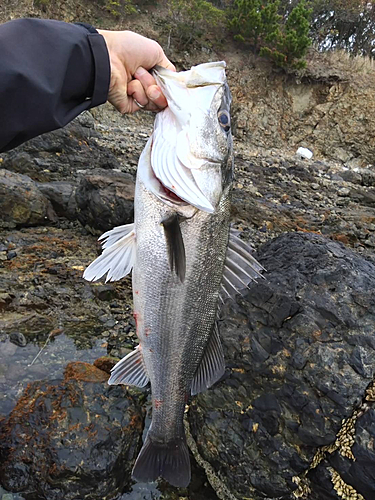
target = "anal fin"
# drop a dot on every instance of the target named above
(175, 244)
(118, 256)
(130, 370)
(212, 366)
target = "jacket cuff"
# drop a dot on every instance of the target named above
(102, 69)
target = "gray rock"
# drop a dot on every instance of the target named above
(105, 199)
(62, 196)
(18, 338)
(300, 352)
(21, 202)
(57, 155)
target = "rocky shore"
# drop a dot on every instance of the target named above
(294, 415)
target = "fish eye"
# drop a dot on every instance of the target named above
(224, 120)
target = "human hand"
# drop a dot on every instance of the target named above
(131, 56)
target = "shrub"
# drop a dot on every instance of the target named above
(120, 7)
(284, 41)
(189, 19)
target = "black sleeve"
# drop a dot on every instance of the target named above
(50, 71)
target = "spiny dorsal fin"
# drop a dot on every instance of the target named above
(240, 267)
(212, 366)
(130, 370)
(175, 244)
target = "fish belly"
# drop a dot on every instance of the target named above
(174, 319)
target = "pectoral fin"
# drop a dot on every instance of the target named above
(175, 244)
(240, 267)
(130, 370)
(118, 255)
(212, 366)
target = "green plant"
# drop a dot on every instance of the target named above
(119, 7)
(190, 19)
(284, 41)
(255, 23)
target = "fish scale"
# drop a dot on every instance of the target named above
(184, 257)
(175, 345)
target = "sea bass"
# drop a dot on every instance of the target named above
(184, 257)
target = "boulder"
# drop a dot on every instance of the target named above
(21, 202)
(105, 199)
(71, 438)
(61, 194)
(59, 154)
(300, 353)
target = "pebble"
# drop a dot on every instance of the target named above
(344, 191)
(18, 338)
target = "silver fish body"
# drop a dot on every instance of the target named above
(184, 258)
(174, 319)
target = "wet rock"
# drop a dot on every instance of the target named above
(105, 199)
(83, 437)
(21, 203)
(106, 363)
(300, 353)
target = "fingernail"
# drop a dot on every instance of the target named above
(140, 71)
(153, 93)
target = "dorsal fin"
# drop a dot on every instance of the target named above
(240, 267)
(175, 244)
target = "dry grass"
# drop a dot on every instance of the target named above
(338, 65)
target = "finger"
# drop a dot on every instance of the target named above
(152, 91)
(136, 90)
(165, 62)
(154, 94)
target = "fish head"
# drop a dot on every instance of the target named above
(192, 150)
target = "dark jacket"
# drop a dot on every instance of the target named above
(50, 71)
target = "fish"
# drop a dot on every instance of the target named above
(185, 260)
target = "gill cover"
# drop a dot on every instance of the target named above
(189, 146)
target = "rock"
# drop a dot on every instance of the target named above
(105, 292)
(83, 440)
(300, 352)
(359, 471)
(18, 338)
(57, 155)
(106, 363)
(62, 196)
(105, 199)
(21, 202)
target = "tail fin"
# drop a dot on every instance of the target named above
(168, 460)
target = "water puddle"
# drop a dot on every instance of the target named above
(21, 365)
